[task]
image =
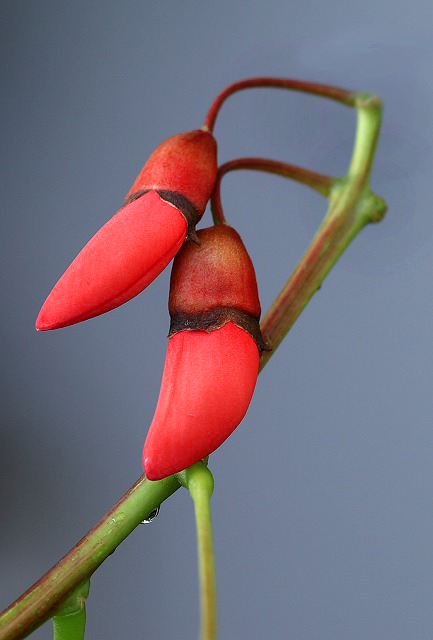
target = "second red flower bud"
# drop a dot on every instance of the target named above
(163, 206)
(213, 354)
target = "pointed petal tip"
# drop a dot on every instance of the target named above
(121, 260)
(42, 328)
(44, 324)
(151, 472)
(156, 468)
(40, 325)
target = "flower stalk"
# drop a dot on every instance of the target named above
(338, 94)
(317, 181)
(200, 484)
(71, 626)
(69, 622)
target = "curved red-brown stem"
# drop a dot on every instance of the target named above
(317, 181)
(325, 91)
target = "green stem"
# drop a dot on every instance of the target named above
(317, 181)
(71, 626)
(369, 113)
(352, 206)
(199, 481)
(69, 621)
(42, 600)
(206, 565)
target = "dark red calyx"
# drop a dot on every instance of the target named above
(214, 283)
(182, 170)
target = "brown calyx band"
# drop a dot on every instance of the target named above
(215, 319)
(182, 204)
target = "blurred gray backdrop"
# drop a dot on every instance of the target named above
(323, 506)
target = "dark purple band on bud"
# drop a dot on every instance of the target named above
(215, 319)
(186, 208)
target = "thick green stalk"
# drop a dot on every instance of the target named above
(42, 600)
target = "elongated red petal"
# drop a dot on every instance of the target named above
(123, 258)
(207, 386)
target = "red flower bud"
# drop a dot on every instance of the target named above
(213, 354)
(130, 250)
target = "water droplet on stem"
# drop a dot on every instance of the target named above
(152, 515)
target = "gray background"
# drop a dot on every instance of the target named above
(323, 505)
